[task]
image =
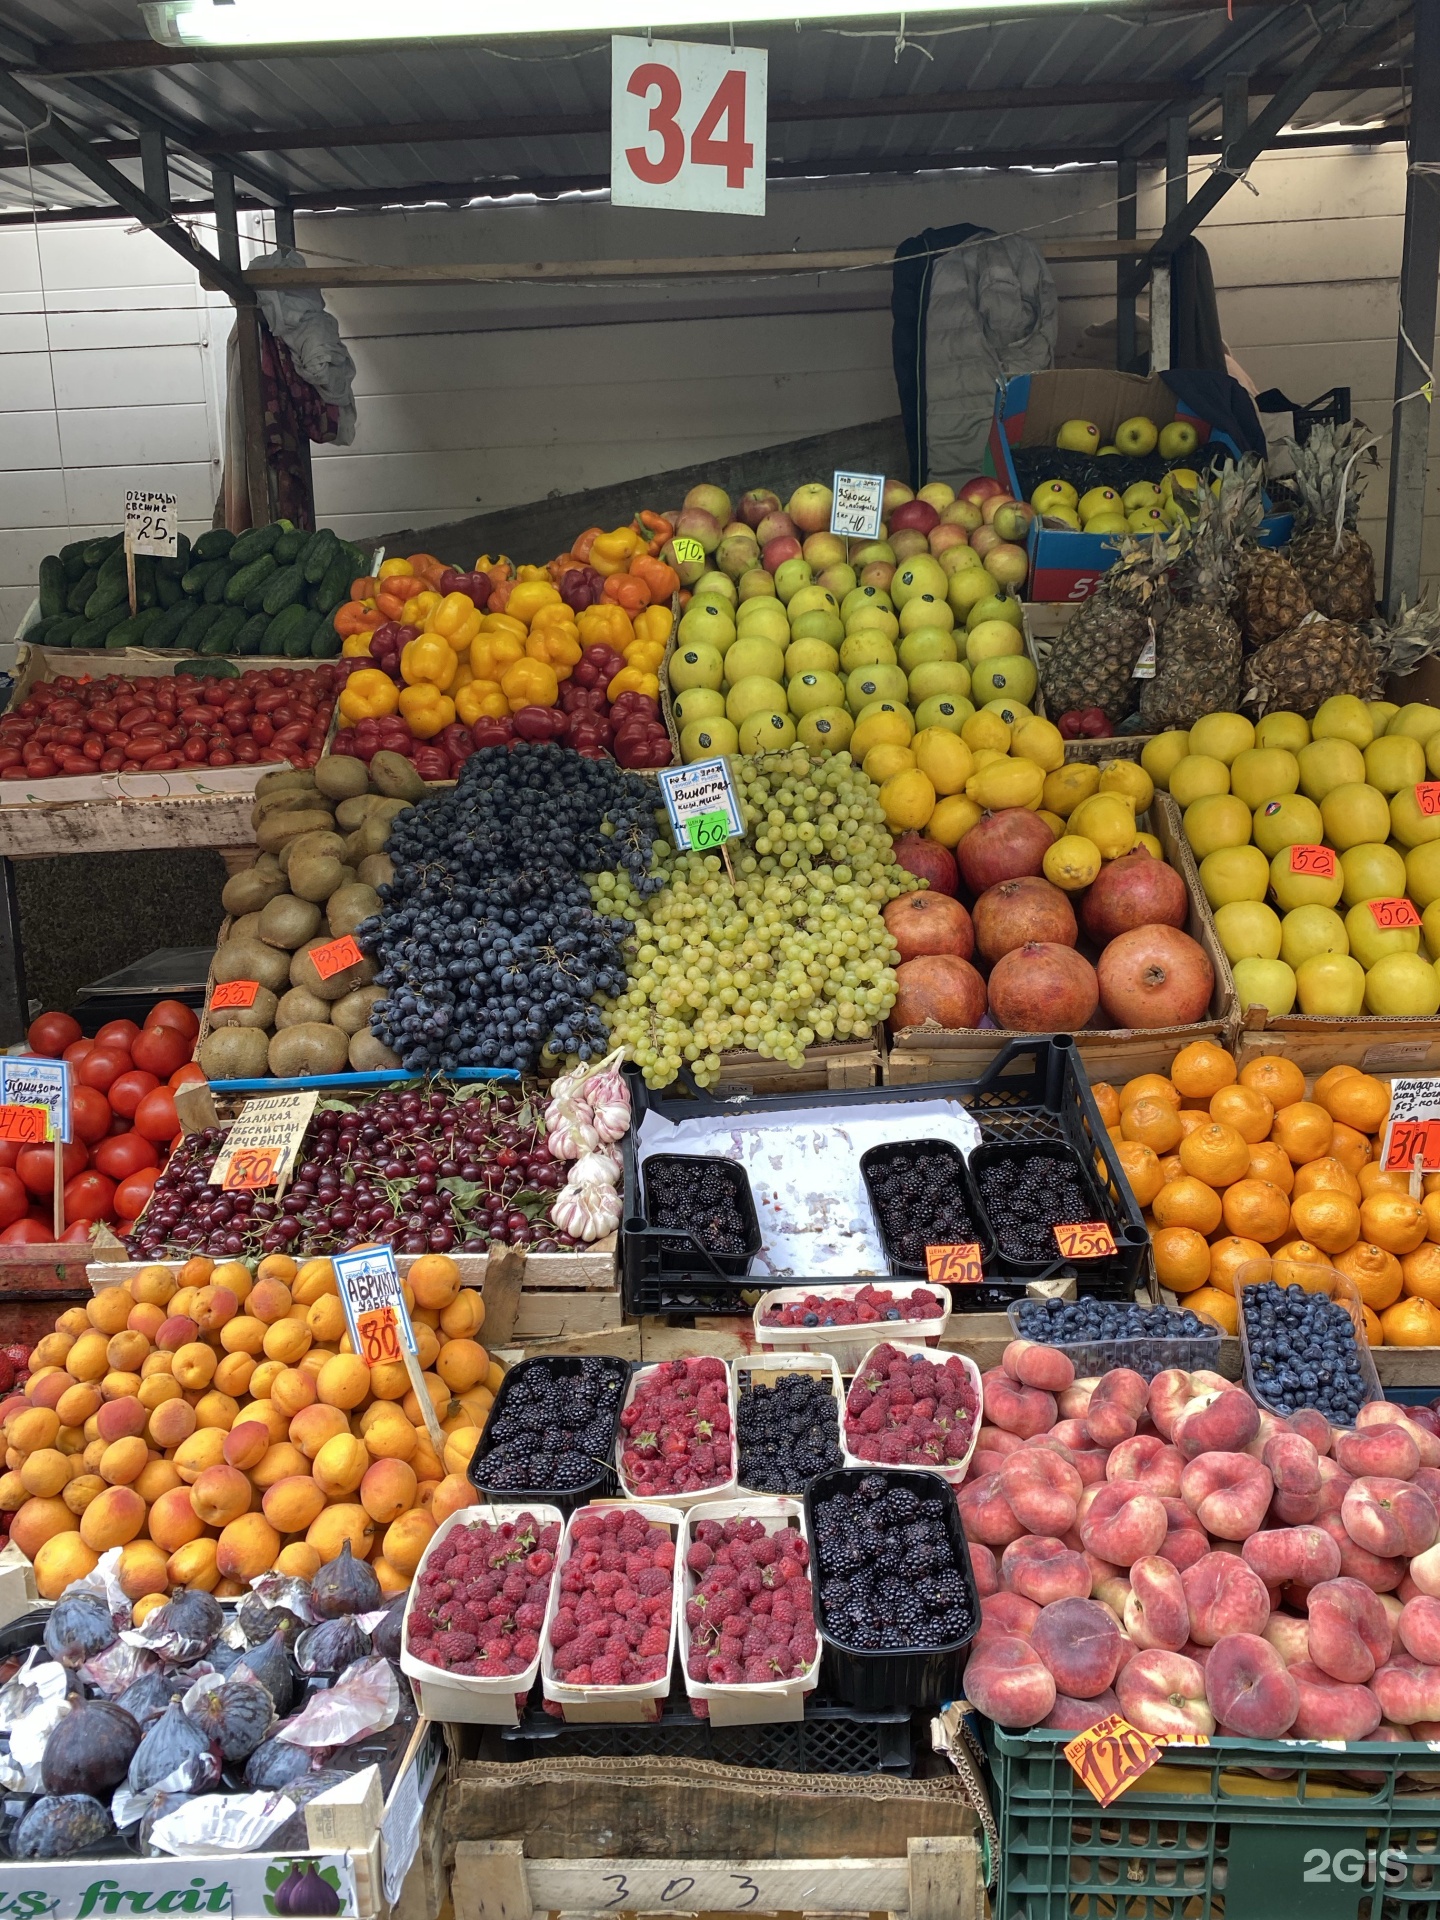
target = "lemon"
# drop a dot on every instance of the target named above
(1160, 756)
(881, 762)
(1072, 863)
(1130, 780)
(907, 800)
(1107, 820)
(1038, 740)
(952, 819)
(1067, 786)
(1009, 783)
(986, 756)
(1052, 820)
(943, 757)
(890, 727)
(986, 730)
(1149, 843)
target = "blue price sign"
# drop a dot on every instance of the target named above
(26, 1082)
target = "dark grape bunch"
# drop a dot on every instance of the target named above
(556, 1428)
(1303, 1352)
(1026, 1196)
(919, 1203)
(888, 1572)
(490, 949)
(702, 1196)
(788, 1433)
(1061, 1322)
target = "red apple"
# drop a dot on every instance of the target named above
(984, 540)
(809, 506)
(895, 494)
(928, 860)
(824, 550)
(776, 552)
(908, 541)
(981, 488)
(989, 508)
(962, 513)
(698, 523)
(918, 514)
(756, 504)
(773, 525)
(1007, 564)
(942, 538)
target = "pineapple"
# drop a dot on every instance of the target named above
(1198, 650)
(1272, 596)
(1092, 661)
(1336, 565)
(1322, 657)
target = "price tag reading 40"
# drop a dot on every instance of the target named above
(687, 126)
(374, 1303)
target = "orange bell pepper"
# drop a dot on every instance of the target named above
(498, 565)
(632, 680)
(364, 587)
(481, 700)
(613, 552)
(660, 577)
(500, 598)
(427, 567)
(530, 683)
(355, 617)
(368, 695)
(605, 625)
(627, 591)
(653, 626)
(654, 529)
(430, 660)
(491, 653)
(426, 709)
(581, 547)
(396, 591)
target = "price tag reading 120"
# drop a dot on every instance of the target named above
(1112, 1755)
(954, 1266)
(1318, 862)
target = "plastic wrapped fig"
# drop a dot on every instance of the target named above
(58, 1825)
(234, 1715)
(79, 1627)
(185, 1628)
(90, 1750)
(171, 1741)
(257, 1620)
(276, 1763)
(345, 1585)
(271, 1665)
(330, 1647)
(386, 1635)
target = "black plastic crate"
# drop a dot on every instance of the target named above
(1035, 1091)
(1057, 1153)
(876, 1158)
(605, 1485)
(691, 1256)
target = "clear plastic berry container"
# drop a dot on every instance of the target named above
(633, 1704)
(951, 1471)
(748, 1374)
(680, 1501)
(1315, 1279)
(847, 1346)
(751, 1703)
(1147, 1355)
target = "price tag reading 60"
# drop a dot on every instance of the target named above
(708, 830)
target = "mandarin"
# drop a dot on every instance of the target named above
(1250, 1113)
(1217, 1306)
(1256, 1209)
(1149, 1086)
(1304, 1130)
(1329, 1220)
(1280, 1080)
(1152, 1122)
(1216, 1154)
(1376, 1273)
(1229, 1254)
(1394, 1221)
(1108, 1101)
(1141, 1168)
(1299, 1263)
(1182, 1258)
(1350, 1147)
(1420, 1270)
(1201, 1069)
(1267, 1162)
(1358, 1100)
(1327, 1173)
(1411, 1322)
(1374, 1332)
(1187, 1202)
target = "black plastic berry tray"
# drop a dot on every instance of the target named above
(990, 1154)
(700, 1281)
(878, 1157)
(605, 1485)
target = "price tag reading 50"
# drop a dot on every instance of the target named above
(1319, 862)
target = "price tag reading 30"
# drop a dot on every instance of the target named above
(1412, 1134)
(374, 1303)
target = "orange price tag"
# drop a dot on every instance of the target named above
(344, 952)
(1316, 861)
(26, 1125)
(1412, 1144)
(957, 1265)
(1427, 796)
(1084, 1240)
(252, 1167)
(1388, 914)
(234, 993)
(1112, 1755)
(379, 1332)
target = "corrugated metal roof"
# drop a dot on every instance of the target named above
(567, 80)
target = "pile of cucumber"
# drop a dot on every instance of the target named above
(273, 591)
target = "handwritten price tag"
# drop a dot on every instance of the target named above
(1427, 796)
(954, 1266)
(379, 1332)
(24, 1125)
(1318, 862)
(234, 993)
(1084, 1240)
(687, 550)
(1412, 1144)
(253, 1167)
(336, 956)
(708, 830)
(1390, 914)
(1111, 1756)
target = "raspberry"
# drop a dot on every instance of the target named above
(453, 1647)
(758, 1671)
(654, 1640)
(607, 1672)
(699, 1557)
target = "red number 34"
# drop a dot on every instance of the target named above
(735, 153)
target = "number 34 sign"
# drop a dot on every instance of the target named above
(687, 126)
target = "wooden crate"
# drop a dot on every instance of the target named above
(1374, 1045)
(830, 1067)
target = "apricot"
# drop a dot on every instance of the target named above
(75, 1321)
(313, 1426)
(386, 1432)
(341, 1464)
(464, 1317)
(427, 1345)
(234, 1277)
(48, 1389)
(113, 1518)
(159, 1476)
(87, 1359)
(45, 1472)
(390, 1380)
(221, 1495)
(280, 1266)
(214, 1306)
(269, 1301)
(462, 1364)
(92, 1454)
(278, 1463)
(390, 1578)
(142, 1570)
(299, 1560)
(109, 1309)
(425, 1460)
(123, 1461)
(76, 1404)
(122, 1419)
(477, 1403)
(13, 1491)
(194, 1565)
(174, 1522)
(325, 1318)
(39, 1520)
(157, 1365)
(288, 1341)
(84, 1488)
(51, 1350)
(269, 1416)
(194, 1364)
(453, 1493)
(387, 1490)
(62, 1558)
(205, 1448)
(292, 1391)
(34, 1427)
(196, 1271)
(234, 1373)
(246, 1444)
(117, 1385)
(146, 1319)
(216, 1410)
(343, 1382)
(264, 1377)
(433, 1279)
(127, 1352)
(183, 1302)
(247, 1548)
(313, 1282)
(440, 1398)
(147, 1604)
(460, 1449)
(244, 1334)
(154, 1286)
(292, 1504)
(170, 1423)
(331, 1529)
(176, 1330)
(406, 1540)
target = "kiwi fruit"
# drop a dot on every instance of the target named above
(283, 779)
(348, 906)
(312, 1047)
(298, 1005)
(376, 870)
(303, 974)
(350, 813)
(260, 1013)
(369, 837)
(368, 1055)
(393, 774)
(275, 829)
(315, 876)
(250, 890)
(246, 926)
(342, 776)
(253, 960)
(288, 922)
(352, 1014)
(234, 1053)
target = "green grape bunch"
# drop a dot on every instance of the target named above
(791, 951)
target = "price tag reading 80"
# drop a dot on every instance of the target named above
(379, 1336)
(251, 1168)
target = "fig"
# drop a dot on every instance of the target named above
(223, 1658)
(90, 1750)
(79, 1627)
(275, 1763)
(187, 1626)
(386, 1637)
(330, 1647)
(272, 1666)
(234, 1715)
(148, 1697)
(162, 1804)
(57, 1825)
(257, 1621)
(345, 1585)
(302, 1891)
(167, 1744)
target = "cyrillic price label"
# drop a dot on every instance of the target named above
(1427, 796)
(1318, 862)
(1412, 1144)
(379, 1332)
(336, 956)
(1084, 1240)
(234, 993)
(708, 830)
(1392, 914)
(687, 549)
(374, 1304)
(1111, 1756)
(956, 1265)
(251, 1168)
(24, 1125)
(263, 1144)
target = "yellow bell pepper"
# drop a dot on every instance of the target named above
(503, 623)
(524, 574)
(645, 654)
(530, 683)
(456, 619)
(418, 610)
(427, 710)
(391, 569)
(654, 624)
(605, 625)
(368, 695)
(481, 700)
(555, 614)
(428, 661)
(464, 674)
(613, 552)
(491, 653)
(529, 596)
(558, 650)
(356, 646)
(632, 680)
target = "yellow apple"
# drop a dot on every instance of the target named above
(1422, 874)
(1403, 986)
(1280, 729)
(1162, 754)
(1248, 930)
(1371, 871)
(1329, 763)
(1195, 775)
(1370, 942)
(1178, 438)
(1408, 824)
(1137, 436)
(1265, 983)
(1430, 929)
(1263, 773)
(1306, 931)
(1332, 985)
(1224, 736)
(1293, 889)
(1079, 436)
(1219, 820)
(1290, 821)
(1234, 873)
(1393, 762)
(1354, 813)
(1343, 717)
(1418, 719)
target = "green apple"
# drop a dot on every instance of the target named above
(866, 649)
(1331, 985)
(1195, 775)
(921, 573)
(1291, 821)
(928, 643)
(1329, 763)
(1178, 440)
(706, 626)
(757, 584)
(1265, 983)
(865, 597)
(959, 559)
(1136, 436)
(1010, 677)
(1343, 717)
(791, 576)
(1408, 825)
(1394, 761)
(758, 694)
(1381, 713)
(818, 623)
(1248, 930)
(1402, 986)
(875, 683)
(950, 677)
(874, 620)
(809, 599)
(1369, 942)
(1079, 436)
(1418, 719)
(1162, 753)
(1263, 773)
(926, 610)
(1293, 889)
(826, 730)
(1234, 873)
(989, 640)
(704, 738)
(1223, 736)
(1306, 931)
(1219, 820)
(1371, 871)
(1422, 874)
(749, 657)
(809, 691)
(1144, 493)
(1354, 813)
(1430, 929)
(948, 710)
(697, 665)
(968, 587)
(763, 620)
(1280, 729)
(1147, 520)
(766, 729)
(997, 606)
(697, 703)
(810, 656)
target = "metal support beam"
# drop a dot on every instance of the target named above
(285, 227)
(155, 167)
(247, 353)
(1127, 186)
(1234, 110)
(1415, 354)
(1177, 163)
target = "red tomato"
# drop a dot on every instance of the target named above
(77, 1234)
(133, 1192)
(190, 1075)
(117, 1033)
(123, 1154)
(14, 1200)
(29, 1232)
(51, 1033)
(10, 1151)
(36, 1167)
(174, 1013)
(155, 1117)
(89, 1196)
(102, 1068)
(89, 1114)
(77, 1051)
(129, 1090)
(160, 1050)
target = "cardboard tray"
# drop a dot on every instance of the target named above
(631, 1705)
(678, 1501)
(753, 1704)
(766, 1370)
(952, 1470)
(847, 1346)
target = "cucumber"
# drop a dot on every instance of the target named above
(222, 635)
(107, 594)
(166, 629)
(248, 578)
(168, 590)
(35, 636)
(290, 546)
(214, 544)
(251, 637)
(295, 619)
(93, 632)
(297, 642)
(213, 592)
(251, 545)
(72, 559)
(324, 640)
(52, 586)
(61, 629)
(81, 591)
(194, 577)
(212, 669)
(319, 554)
(283, 586)
(179, 565)
(95, 552)
(144, 580)
(132, 632)
(334, 589)
(196, 627)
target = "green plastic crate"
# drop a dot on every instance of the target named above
(1315, 1846)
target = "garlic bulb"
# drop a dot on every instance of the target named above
(609, 1100)
(601, 1169)
(587, 1213)
(571, 1138)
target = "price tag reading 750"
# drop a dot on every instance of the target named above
(1084, 1240)
(956, 1265)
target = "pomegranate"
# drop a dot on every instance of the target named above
(1043, 988)
(928, 860)
(1155, 976)
(1003, 846)
(937, 989)
(1008, 915)
(930, 923)
(1136, 890)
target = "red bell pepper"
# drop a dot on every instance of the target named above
(493, 733)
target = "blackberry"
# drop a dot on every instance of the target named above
(702, 1196)
(554, 1428)
(887, 1571)
(1026, 1198)
(788, 1433)
(919, 1199)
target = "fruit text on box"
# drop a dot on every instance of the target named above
(39, 1083)
(687, 126)
(858, 507)
(1084, 1240)
(274, 1127)
(1110, 1756)
(369, 1284)
(1389, 914)
(1319, 862)
(234, 993)
(956, 1265)
(336, 955)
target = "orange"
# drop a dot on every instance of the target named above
(1376, 1273)
(1350, 1147)
(1431, 1204)
(1374, 1179)
(1299, 1263)
(1217, 1306)
(1327, 1173)
(1201, 1069)
(1193, 1117)
(1152, 1122)
(1326, 1080)
(1430, 1183)
(1280, 1080)
(1250, 1113)
(1108, 1101)
(1115, 1134)
(1359, 1099)
(1267, 1162)
(1141, 1168)
(1411, 1323)
(1421, 1272)
(1256, 1209)
(1182, 1259)
(1304, 1130)
(1188, 1202)
(1394, 1221)
(1330, 1221)
(1215, 1154)
(1149, 1086)
(1230, 1253)
(1374, 1332)
(1170, 1167)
